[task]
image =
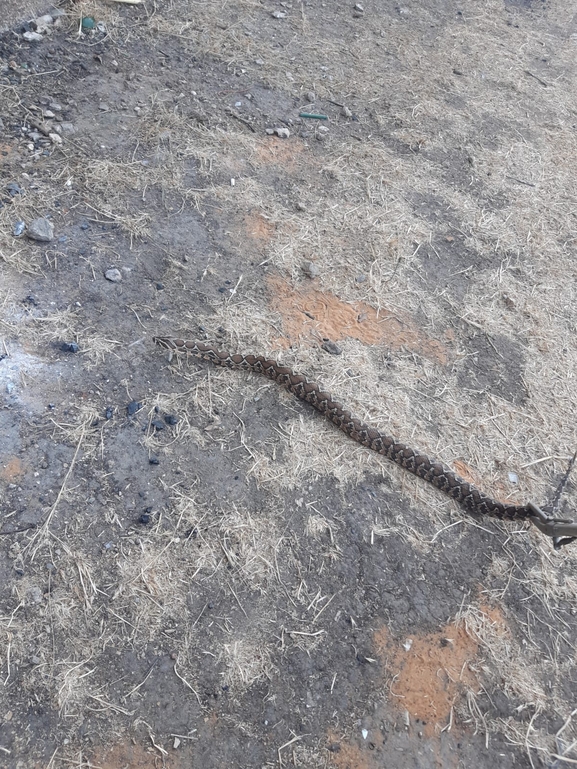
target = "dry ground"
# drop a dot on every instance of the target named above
(221, 578)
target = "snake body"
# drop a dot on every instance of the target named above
(415, 462)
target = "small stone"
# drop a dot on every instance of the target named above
(311, 270)
(48, 113)
(103, 107)
(133, 407)
(69, 347)
(158, 424)
(310, 96)
(279, 15)
(109, 413)
(159, 286)
(14, 189)
(32, 37)
(41, 229)
(35, 594)
(269, 131)
(282, 133)
(56, 106)
(67, 127)
(55, 138)
(513, 478)
(113, 275)
(176, 743)
(35, 660)
(18, 228)
(144, 519)
(331, 347)
(171, 419)
(361, 278)
(154, 461)
(345, 112)
(43, 22)
(365, 733)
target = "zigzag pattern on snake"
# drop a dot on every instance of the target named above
(409, 459)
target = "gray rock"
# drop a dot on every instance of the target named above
(282, 133)
(113, 275)
(311, 96)
(331, 347)
(41, 230)
(32, 37)
(311, 269)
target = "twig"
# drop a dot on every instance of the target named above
(45, 526)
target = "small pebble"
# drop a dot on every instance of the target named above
(513, 478)
(144, 519)
(154, 461)
(311, 96)
(113, 275)
(14, 189)
(331, 347)
(41, 229)
(282, 133)
(18, 228)
(345, 112)
(109, 413)
(43, 22)
(133, 407)
(32, 37)
(311, 270)
(170, 419)
(278, 15)
(69, 347)
(158, 424)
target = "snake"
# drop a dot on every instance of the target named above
(413, 461)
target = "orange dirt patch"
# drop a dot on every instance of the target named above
(6, 150)
(258, 227)
(467, 472)
(128, 756)
(349, 756)
(11, 469)
(428, 672)
(283, 152)
(312, 315)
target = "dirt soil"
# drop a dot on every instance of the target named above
(198, 570)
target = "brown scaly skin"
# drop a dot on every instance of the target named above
(421, 465)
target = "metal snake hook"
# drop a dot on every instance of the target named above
(562, 530)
